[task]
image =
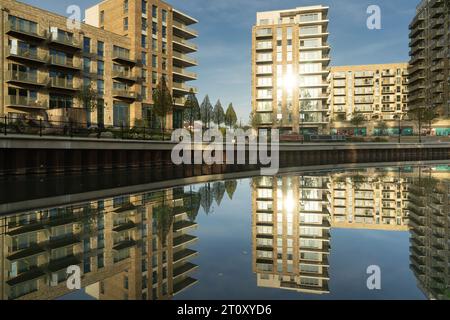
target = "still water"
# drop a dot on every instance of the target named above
(295, 236)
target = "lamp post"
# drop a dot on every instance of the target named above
(302, 118)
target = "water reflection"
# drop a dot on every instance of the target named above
(145, 246)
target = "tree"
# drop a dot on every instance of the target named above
(164, 215)
(88, 98)
(357, 120)
(218, 114)
(192, 109)
(420, 115)
(206, 111)
(162, 103)
(383, 128)
(206, 198)
(254, 120)
(230, 116)
(192, 204)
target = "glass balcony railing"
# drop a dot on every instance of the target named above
(26, 77)
(24, 27)
(25, 53)
(64, 62)
(185, 72)
(185, 43)
(62, 83)
(184, 57)
(65, 40)
(183, 27)
(124, 93)
(184, 87)
(25, 102)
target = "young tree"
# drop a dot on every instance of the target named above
(218, 190)
(357, 120)
(230, 116)
(254, 120)
(88, 98)
(162, 102)
(192, 109)
(218, 113)
(230, 187)
(421, 115)
(206, 111)
(383, 128)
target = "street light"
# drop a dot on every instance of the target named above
(302, 118)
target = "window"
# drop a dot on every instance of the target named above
(100, 87)
(154, 45)
(164, 47)
(154, 61)
(125, 6)
(154, 28)
(144, 92)
(164, 32)
(144, 58)
(144, 6)
(155, 12)
(100, 49)
(144, 24)
(102, 17)
(125, 24)
(154, 77)
(164, 16)
(60, 101)
(143, 41)
(86, 45)
(100, 68)
(86, 65)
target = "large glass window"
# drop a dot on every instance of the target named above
(87, 45)
(121, 114)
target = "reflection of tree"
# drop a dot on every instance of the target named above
(218, 190)
(230, 187)
(206, 198)
(192, 204)
(164, 219)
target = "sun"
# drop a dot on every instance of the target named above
(289, 81)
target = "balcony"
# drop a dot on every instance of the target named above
(183, 45)
(183, 60)
(24, 30)
(122, 75)
(183, 31)
(436, 12)
(125, 94)
(363, 74)
(184, 255)
(63, 62)
(24, 78)
(180, 102)
(61, 83)
(183, 88)
(437, 33)
(25, 55)
(264, 33)
(437, 67)
(184, 74)
(63, 41)
(123, 58)
(25, 102)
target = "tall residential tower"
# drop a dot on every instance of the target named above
(290, 56)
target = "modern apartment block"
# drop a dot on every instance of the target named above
(430, 55)
(46, 61)
(160, 39)
(290, 56)
(128, 247)
(430, 230)
(290, 232)
(378, 92)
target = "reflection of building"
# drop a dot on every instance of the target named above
(129, 247)
(291, 233)
(368, 201)
(290, 59)
(430, 234)
(377, 92)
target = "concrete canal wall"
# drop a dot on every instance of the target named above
(20, 155)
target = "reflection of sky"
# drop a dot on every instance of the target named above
(225, 259)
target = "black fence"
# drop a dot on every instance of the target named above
(72, 129)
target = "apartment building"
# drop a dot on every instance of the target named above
(128, 247)
(290, 232)
(160, 38)
(290, 56)
(429, 64)
(368, 200)
(377, 92)
(429, 225)
(46, 62)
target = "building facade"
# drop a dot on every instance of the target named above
(429, 51)
(160, 39)
(377, 92)
(46, 62)
(290, 56)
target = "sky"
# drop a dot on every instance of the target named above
(224, 41)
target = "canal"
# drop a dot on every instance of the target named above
(315, 234)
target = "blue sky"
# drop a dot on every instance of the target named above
(225, 38)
